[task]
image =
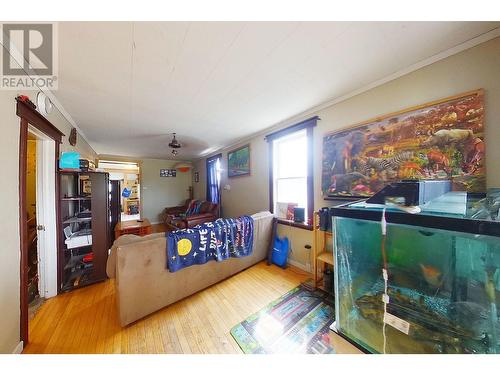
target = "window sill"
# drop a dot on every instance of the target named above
(292, 223)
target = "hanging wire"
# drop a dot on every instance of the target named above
(385, 276)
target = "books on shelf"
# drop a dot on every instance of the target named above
(284, 210)
(289, 212)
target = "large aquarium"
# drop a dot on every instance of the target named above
(440, 291)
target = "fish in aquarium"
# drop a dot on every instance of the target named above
(432, 275)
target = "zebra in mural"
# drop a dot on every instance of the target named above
(365, 165)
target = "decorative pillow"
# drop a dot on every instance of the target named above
(205, 207)
(197, 207)
(191, 207)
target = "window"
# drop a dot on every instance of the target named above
(290, 172)
(213, 179)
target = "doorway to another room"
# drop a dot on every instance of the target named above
(41, 217)
(39, 143)
(126, 176)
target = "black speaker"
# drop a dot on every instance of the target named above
(324, 219)
(298, 215)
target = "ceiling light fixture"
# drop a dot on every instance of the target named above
(174, 143)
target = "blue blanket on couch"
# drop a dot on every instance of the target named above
(219, 240)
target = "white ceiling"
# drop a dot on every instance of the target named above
(128, 85)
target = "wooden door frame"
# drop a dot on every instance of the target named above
(30, 116)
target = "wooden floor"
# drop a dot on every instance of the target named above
(85, 320)
(159, 227)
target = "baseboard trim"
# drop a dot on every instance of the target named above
(299, 265)
(19, 348)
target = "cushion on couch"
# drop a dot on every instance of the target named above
(125, 240)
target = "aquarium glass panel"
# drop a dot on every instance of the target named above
(443, 288)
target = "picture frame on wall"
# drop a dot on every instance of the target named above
(238, 162)
(168, 173)
(196, 176)
(443, 139)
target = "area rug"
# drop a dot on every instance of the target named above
(297, 322)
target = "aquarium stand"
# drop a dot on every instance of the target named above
(322, 257)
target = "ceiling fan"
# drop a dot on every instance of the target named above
(175, 144)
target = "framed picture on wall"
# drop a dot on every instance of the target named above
(196, 176)
(168, 173)
(443, 139)
(238, 162)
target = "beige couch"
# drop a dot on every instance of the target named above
(144, 285)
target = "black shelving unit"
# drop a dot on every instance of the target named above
(84, 222)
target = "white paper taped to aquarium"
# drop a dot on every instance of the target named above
(398, 323)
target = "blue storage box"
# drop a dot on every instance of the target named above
(69, 160)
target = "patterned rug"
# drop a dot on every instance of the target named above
(297, 322)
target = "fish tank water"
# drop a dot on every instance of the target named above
(442, 293)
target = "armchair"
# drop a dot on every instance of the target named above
(190, 214)
(177, 210)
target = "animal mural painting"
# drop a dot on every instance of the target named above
(440, 140)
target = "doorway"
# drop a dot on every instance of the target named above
(38, 150)
(41, 207)
(127, 177)
(40, 216)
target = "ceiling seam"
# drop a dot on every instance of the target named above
(209, 75)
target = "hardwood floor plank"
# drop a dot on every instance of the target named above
(43, 328)
(91, 317)
(207, 322)
(183, 340)
(149, 335)
(174, 342)
(125, 341)
(222, 321)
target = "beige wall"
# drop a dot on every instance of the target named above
(160, 192)
(157, 192)
(233, 203)
(478, 67)
(9, 222)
